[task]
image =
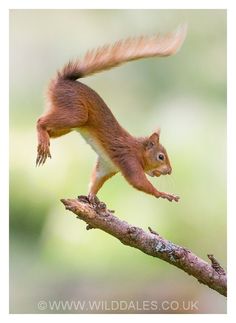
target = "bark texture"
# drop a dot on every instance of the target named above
(96, 215)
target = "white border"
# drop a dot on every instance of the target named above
(115, 4)
(59, 4)
(4, 150)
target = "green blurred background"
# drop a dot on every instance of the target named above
(52, 256)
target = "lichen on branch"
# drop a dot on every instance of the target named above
(96, 215)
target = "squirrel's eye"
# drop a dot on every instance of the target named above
(161, 156)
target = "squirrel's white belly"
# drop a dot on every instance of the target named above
(106, 161)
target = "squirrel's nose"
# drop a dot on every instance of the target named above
(170, 171)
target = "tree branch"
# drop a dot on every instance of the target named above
(96, 215)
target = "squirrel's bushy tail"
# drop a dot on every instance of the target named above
(108, 56)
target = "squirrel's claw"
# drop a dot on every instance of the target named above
(43, 154)
(170, 197)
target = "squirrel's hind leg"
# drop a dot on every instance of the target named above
(43, 150)
(56, 123)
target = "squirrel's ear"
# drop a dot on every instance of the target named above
(155, 136)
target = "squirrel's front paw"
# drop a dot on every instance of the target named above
(96, 203)
(43, 154)
(169, 197)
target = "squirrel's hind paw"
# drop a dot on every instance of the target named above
(43, 154)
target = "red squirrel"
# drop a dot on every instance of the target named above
(73, 105)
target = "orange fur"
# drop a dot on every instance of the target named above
(75, 106)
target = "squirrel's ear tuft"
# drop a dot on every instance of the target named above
(155, 136)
